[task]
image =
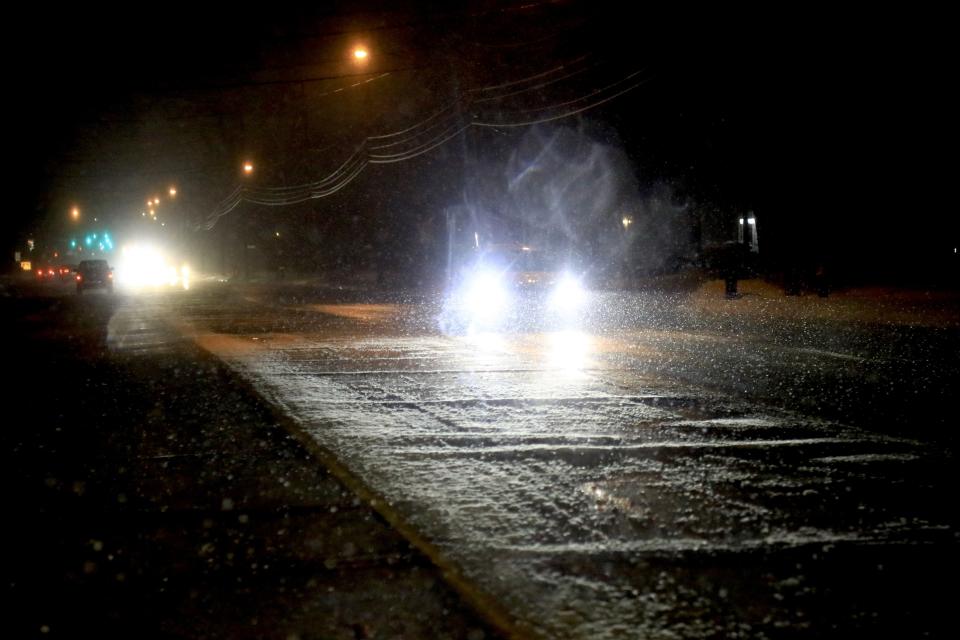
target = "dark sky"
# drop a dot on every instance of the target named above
(828, 124)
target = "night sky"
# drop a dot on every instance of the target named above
(833, 129)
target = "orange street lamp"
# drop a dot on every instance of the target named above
(360, 54)
(173, 192)
(248, 167)
(75, 213)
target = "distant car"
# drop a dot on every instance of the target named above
(53, 273)
(514, 286)
(46, 274)
(93, 274)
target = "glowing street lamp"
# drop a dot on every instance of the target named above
(247, 168)
(360, 54)
(173, 192)
(75, 213)
(626, 222)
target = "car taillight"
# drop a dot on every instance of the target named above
(79, 277)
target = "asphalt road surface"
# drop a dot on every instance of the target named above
(666, 469)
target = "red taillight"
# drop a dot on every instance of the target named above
(79, 277)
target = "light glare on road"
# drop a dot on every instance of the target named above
(568, 350)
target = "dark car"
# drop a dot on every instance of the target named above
(94, 273)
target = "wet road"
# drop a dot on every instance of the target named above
(653, 476)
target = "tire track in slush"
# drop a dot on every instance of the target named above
(578, 491)
(522, 474)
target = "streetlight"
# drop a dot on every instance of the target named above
(247, 167)
(360, 53)
(75, 213)
(626, 222)
(173, 192)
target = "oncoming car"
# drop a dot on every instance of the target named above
(94, 274)
(514, 287)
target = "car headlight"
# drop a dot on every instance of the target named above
(485, 296)
(567, 295)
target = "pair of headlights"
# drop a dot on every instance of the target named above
(487, 296)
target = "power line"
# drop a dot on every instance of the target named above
(452, 126)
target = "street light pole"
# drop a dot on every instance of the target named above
(245, 246)
(179, 221)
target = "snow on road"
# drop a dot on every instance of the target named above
(570, 485)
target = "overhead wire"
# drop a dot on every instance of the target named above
(592, 93)
(420, 151)
(354, 85)
(443, 125)
(542, 85)
(560, 116)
